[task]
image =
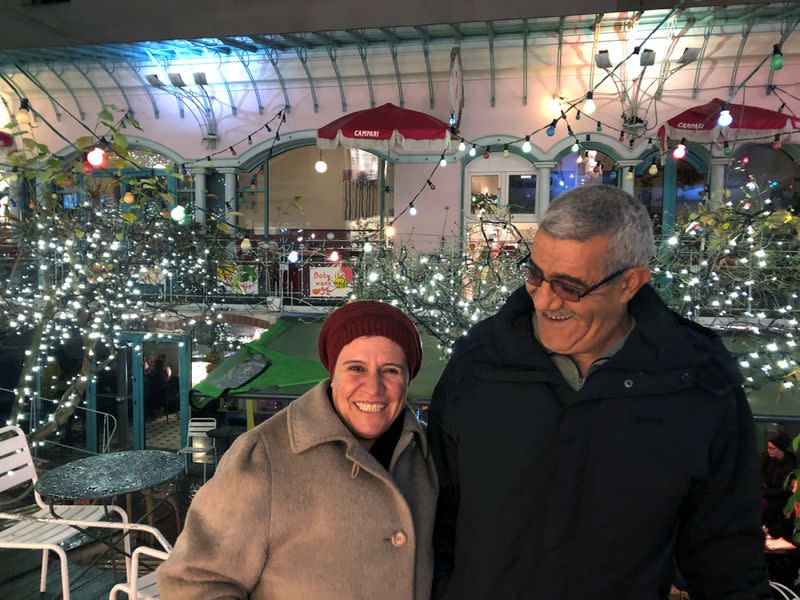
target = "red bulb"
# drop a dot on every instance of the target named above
(745, 160)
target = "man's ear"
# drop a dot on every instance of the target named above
(632, 281)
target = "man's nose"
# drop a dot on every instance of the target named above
(545, 299)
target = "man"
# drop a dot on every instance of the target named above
(587, 437)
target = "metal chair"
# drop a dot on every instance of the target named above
(48, 526)
(200, 444)
(783, 592)
(144, 587)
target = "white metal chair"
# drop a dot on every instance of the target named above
(200, 444)
(784, 592)
(41, 530)
(144, 587)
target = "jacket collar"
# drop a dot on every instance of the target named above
(312, 421)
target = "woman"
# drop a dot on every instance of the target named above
(777, 465)
(333, 498)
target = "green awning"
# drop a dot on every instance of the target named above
(290, 346)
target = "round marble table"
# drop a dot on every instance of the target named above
(107, 475)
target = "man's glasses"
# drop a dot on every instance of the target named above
(564, 290)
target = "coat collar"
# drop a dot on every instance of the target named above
(312, 422)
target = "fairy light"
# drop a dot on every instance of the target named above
(526, 145)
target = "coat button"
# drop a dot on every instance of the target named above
(628, 383)
(399, 538)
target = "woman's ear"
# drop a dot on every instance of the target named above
(632, 281)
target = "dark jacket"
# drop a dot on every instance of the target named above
(548, 493)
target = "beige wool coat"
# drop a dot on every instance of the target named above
(299, 510)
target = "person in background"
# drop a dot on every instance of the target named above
(333, 498)
(586, 434)
(777, 467)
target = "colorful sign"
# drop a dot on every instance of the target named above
(331, 282)
(239, 278)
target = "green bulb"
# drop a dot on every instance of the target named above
(726, 151)
(776, 64)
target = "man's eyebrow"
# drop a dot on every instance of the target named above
(561, 276)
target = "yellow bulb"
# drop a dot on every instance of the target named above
(653, 170)
(127, 198)
(390, 232)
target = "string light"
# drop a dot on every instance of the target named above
(526, 145)
(725, 118)
(390, 231)
(431, 184)
(777, 144)
(726, 149)
(653, 169)
(776, 63)
(177, 213)
(629, 173)
(333, 256)
(589, 105)
(233, 151)
(443, 162)
(487, 153)
(680, 150)
(461, 145)
(473, 151)
(551, 129)
(412, 210)
(505, 151)
(23, 114)
(320, 166)
(575, 147)
(246, 244)
(96, 156)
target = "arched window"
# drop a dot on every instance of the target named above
(766, 174)
(584, 167)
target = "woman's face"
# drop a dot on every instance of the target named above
(773, 451)
(369, 385)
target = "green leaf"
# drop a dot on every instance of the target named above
(28, 144)
(119, 142)
(128, 217)
(105, 115)
(119, 236)
(84, 142)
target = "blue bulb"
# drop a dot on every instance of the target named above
(551, 131)
(578, 116)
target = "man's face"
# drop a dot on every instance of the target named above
(583, 329)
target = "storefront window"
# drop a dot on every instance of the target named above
(522, 194)
(767, 175)
(582, 168)
(691, 190)
(485, 193)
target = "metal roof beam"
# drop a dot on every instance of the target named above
(560, 32)
(272, 55)
(227, 89)
(90, 82)
(524, 62)
(332, 55)
(327, 39)
(390, 35)
(456, 29)
(698, 67)
(252, 82)
(490, 34)
(239, 45)
(296, 41)
(270, 43)
(146, 87)
(119, 87)
(303, 56)
(745, 34)
(425, 39)
(216, 47)
(393, 51)
(362, 52)
(359, 37)
(81, 112)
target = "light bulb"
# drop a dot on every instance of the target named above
(443, 162)
(725, 118)
(776, 64)
(333, 256)
(23, 115)
(575, 147)
(554, 108)
(412, 210)
(293, 256)
(551, 129)
(246, 244)
(505, 151)
(367, 247)
(473, 151)
(589, 106)
(96, 156)
(629, 174)
(128, 198)
(320, 166)
(390, 232)
(177, 213)
(461, 145)
(726, 149)
(526, 145)
(653, 169)
(680, 151)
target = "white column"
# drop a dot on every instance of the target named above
(199, 194)
(231, 195)
(716, 187)
(626, 165)
(543, 170)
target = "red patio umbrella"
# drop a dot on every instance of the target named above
(6, 141)
(386, 128)
(699, 124)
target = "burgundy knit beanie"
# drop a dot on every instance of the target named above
(367, 317)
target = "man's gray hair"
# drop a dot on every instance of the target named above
(587, 211)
